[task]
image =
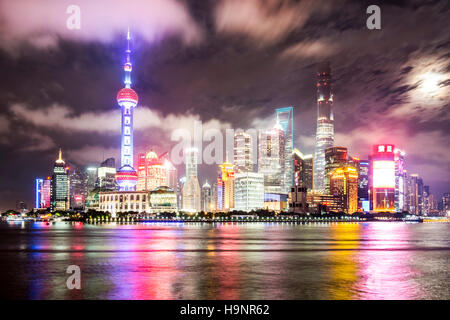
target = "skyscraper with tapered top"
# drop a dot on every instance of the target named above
(325, 124)
(127, 99)
(60, 185)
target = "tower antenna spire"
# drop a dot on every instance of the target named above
(60, 159)
(128, 67)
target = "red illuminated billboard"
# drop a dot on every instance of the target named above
(383, 174)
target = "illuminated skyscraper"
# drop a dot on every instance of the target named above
(243, 152)
(60, 185)
(39, 183)
(91, 179)
(444, 204)
(78, 193)
(152, 172)
(297, 169)
(106, 175)
(400, 175)
(46, 193)
(285, 117)
(382, 178)
(325, 124)
(415, 194)
(226, 185)
(127, 99)
(207, 199)
(302, 169)
(172, 175)
(344, 183)
(191, 193)
(363, 185)
(191, 158)
(335, 157)
(271, 159)
(427, 200)
(308, 173)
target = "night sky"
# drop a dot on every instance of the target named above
(228, 63)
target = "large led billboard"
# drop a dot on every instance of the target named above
(383, 174)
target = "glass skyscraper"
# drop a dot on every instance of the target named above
(285, 117)
(325, 124)
(271, 159)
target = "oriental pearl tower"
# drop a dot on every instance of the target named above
(127, 99)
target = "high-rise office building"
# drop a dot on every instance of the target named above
(78, 189)
(344, 183)
(415, 194)
(46, 193)
(60, 199)
(226, 185)
(444, 204)
(297, 166)
(38, 186)
(191, 193)
(285, 117)
(271, 159)
(106, 175)
(215, 196)
(325, 124)
(91, 179)
(427, 200)
(127, 99)
(152, 172)
(172, 175)
(302, 169)
(335, 157)
(308, 171)
(243, 152)
(363, 186)
(400, 175)
(191, 158)
(382, 178)
(248, 191)
(191, 196)
(207, 200)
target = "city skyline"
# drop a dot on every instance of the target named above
(66, 120)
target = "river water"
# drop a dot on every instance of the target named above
(374, 260)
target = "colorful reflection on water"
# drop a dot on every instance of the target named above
(227, 261)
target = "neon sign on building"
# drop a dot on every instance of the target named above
(382, 175)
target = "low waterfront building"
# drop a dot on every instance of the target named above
(124, 201)
(275, 202)
(298, 200)
(162, 199)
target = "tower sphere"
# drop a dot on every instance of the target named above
(127, 95)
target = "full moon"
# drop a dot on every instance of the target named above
(430, 82)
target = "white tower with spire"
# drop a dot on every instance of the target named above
(127, 99)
